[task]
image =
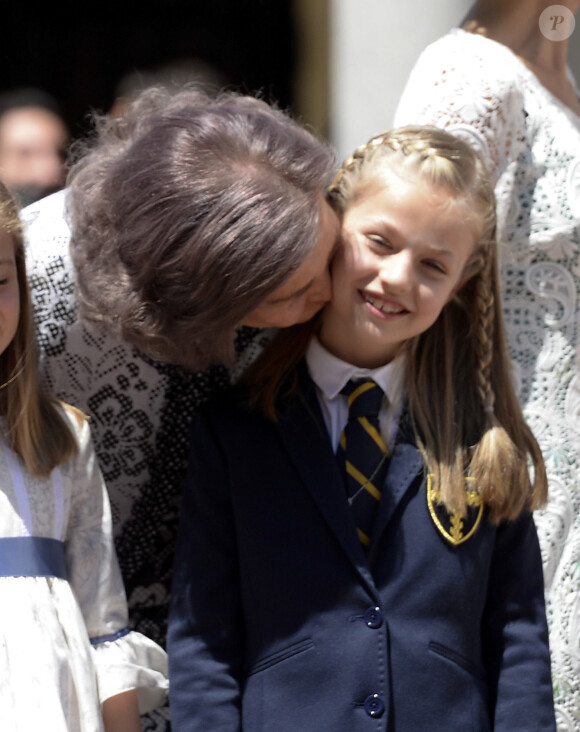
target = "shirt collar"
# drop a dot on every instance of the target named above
(331, 374)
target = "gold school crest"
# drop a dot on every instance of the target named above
(454, 527)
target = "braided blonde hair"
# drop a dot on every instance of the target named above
(465, 426)
(461, 401)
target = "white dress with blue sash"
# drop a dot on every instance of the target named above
(64, 642)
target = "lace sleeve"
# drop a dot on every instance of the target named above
(468, 85)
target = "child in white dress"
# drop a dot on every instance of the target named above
(67, 659)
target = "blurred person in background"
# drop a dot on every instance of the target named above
(33, 143)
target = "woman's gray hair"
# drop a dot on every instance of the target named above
(186, 213)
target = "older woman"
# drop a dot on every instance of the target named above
(190, 218)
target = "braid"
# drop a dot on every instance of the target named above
(414, 143)
(349, 171)
(499, 464)
(485, 303)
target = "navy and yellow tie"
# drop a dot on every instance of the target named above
(363, 454)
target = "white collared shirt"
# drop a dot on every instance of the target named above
(330, 374)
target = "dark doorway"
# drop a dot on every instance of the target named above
(79, 52)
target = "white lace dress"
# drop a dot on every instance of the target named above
(64, 642)
(480, 90)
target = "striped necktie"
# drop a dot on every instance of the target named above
(363, 454)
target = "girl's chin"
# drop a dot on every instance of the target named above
(366, 349)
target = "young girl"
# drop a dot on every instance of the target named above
(65, 649)
(317, 592)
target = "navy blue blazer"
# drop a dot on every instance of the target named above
(279, 621)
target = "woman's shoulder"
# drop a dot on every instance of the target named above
(460, 66)
(461, 51)
(475, 88)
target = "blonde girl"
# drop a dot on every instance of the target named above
(429, 614)
(67, 659)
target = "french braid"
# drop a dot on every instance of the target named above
(348, 172)
(401, 141)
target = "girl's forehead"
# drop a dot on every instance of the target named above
(395, 171)
(397, 178)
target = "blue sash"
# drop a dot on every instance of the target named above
(32, 556)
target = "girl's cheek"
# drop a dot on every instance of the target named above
(340, 262)
(364, 261)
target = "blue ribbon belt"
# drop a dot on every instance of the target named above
(32, 556)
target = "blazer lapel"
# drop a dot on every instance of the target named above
(405, 466)
(305, 437)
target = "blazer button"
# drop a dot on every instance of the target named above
(374, 706)
(373, 617)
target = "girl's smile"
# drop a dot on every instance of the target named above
(381, 306)
(403, 251)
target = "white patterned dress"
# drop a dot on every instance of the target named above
(64, 642)
(480, 90)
